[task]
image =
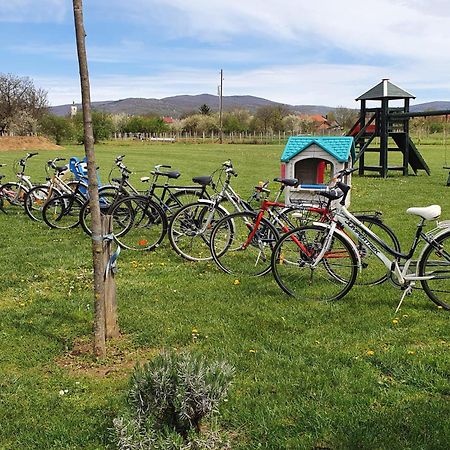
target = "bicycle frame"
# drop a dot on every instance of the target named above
(343, 217)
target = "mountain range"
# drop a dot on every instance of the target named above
(183, 104)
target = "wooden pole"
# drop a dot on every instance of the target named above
(221, 107)
(99, 343)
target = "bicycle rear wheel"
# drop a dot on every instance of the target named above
(435, 262)
(62, 212)
(293, 267)
(14, 193)
(106, 197)
(240, 249)
(373, 270)
(138, 223)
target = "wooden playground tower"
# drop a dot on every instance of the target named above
(391, 126)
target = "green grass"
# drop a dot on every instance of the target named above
(308, 375)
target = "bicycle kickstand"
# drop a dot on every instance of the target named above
(407, 291)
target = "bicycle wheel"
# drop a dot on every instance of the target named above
(238, 248)
(180, 199)
(106, 198)
(190, 230)
(62, 212)
(293, 262)
(373, 270)
(14, 193)
(436, 262)
(138, 223)
(35, 200)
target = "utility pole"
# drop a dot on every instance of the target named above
(221, 105)
(99, 343)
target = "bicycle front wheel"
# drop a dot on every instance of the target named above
(435, 263)
(240, 246)
(297, 272)
(138, 223)
(62, 212)
(190, 230)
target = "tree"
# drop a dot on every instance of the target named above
(59, 129)
(102, 124)
(205, 109)
(22, 104)
(102, 324)
(270, 118)
(346, 117)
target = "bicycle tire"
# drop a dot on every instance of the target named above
(35, 200)
(373, 271)
(19, 193)
(180, 199)
(138, 223)
(62, 212)
(234, 253)
(437, 289)
(185, 230)
(107, 196)
(329, 280)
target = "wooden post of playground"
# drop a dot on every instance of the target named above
(111, 320)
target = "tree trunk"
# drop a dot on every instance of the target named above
(97, 250)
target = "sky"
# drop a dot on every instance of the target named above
(299, 52)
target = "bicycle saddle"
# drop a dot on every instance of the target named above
(332, 194)
(287, 181)
(427, 213)
(204, 181)
(61, 168)
(174, 174)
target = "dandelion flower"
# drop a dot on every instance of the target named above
(370, 353)
(395, 321)
(236, 282)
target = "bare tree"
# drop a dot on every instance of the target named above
(100, 320)
(22, 104)
(345, 117)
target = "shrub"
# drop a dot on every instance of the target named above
(170, 396)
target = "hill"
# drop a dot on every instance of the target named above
(182, 104)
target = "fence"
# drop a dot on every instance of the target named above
(229, 138)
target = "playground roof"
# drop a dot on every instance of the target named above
(385, 89)
(340, 147)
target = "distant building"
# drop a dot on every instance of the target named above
(321, 122)
(73, 110)
(168, 120)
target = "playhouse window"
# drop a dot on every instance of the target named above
(313, 171)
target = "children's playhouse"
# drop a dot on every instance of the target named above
(314, 161)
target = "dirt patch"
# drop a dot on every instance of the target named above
(120, 360)
(8, 143)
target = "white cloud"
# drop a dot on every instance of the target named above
(324, 84)
(33, 11)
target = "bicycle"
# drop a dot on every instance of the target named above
(170, 199)
(190, 228)
(39, 195)
(311, 259)
(14, 192)
(242, 243)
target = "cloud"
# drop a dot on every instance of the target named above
(325, 84)
(28, 11)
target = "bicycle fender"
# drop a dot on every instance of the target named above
(343, 235)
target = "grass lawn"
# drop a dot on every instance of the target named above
(308, 375)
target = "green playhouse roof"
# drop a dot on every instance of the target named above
(340, 147)
(385, 89)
